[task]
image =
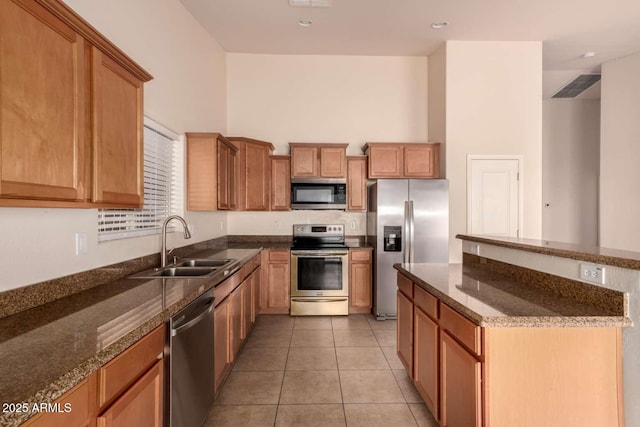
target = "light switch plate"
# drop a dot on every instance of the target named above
(81, 243)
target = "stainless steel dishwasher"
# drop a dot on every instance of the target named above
(191, 354)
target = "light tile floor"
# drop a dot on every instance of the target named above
(319, 371)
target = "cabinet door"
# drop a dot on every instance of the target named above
(43, 132)
(232, 177)
(359, 283)
(257, 177)
(141, 405)
(221, 341)
(117, 133)
(460, 393)
(304, 162)
(278, 285)
(224, 156)
(255, 294)
(247, 299)
(280, 183)
(202, 163)
(357, 183)
(333, 162)
(425, 354)
(405, 332)
(385, 161)
(235, 322)
(421, 161)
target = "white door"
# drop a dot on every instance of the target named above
(493, 205)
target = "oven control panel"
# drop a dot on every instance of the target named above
(318, 230)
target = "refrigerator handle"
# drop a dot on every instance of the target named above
(406, 234)
(411, 231)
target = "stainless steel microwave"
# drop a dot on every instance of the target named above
(319, 193)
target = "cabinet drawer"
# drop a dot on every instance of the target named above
(425, 301)
(360, 255)
(81, 400)
(279, 255)
(462, 329)
(124, 370)
(405, 285)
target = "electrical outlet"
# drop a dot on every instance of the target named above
(352, 225)
(474, 249)
(192, 228)
(81, 243)
(221, 225)
(592, 273)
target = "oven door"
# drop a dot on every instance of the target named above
(319, 273)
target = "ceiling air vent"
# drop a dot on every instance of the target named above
(577, 86)
(310, 3)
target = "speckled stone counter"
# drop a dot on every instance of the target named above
(614, 257)
(47, 350)
(491, 300)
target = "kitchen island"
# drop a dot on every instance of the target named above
(492, 343)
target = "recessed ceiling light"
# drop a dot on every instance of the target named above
(588, 54)
(439, 25)
(305, 23)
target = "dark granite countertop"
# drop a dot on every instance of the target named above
(48, 349)
(492, 300)
(596, 254)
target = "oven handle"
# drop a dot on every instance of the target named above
(319, 299)
(319, 254)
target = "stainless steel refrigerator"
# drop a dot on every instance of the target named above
(407, 221)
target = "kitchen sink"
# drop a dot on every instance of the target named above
(204, 262)
(190, 268)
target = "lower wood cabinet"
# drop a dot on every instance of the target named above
(426, 359)
(461, 396)
(221, 362)
(405, 332)
(141, 405)
(234, 316)
(275, 291)
(360, 281)
(81, 400)
(507, 376)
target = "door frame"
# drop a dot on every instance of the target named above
(519, 158)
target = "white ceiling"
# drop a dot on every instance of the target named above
(567, 28)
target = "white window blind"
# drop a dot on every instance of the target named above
(163, 188)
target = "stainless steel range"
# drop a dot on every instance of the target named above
(319, 270)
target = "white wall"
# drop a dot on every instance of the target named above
(304, 98)
(309, 98)
(188, 93)
(493, 106)
(619, 154)
(570, 170)
(438, 102)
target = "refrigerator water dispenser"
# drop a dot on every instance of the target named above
(392, 238)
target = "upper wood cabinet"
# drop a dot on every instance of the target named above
(211, 172)
(118, 153)
(356, 183)
(253, 174)
(280, 183)
(70, 136)
(311, 160)
(396, 160)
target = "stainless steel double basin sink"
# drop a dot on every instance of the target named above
(189, 268)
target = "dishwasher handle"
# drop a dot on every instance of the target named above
(208, 307)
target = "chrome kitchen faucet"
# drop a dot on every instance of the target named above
(163, 251)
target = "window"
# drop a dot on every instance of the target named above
(163, 188)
